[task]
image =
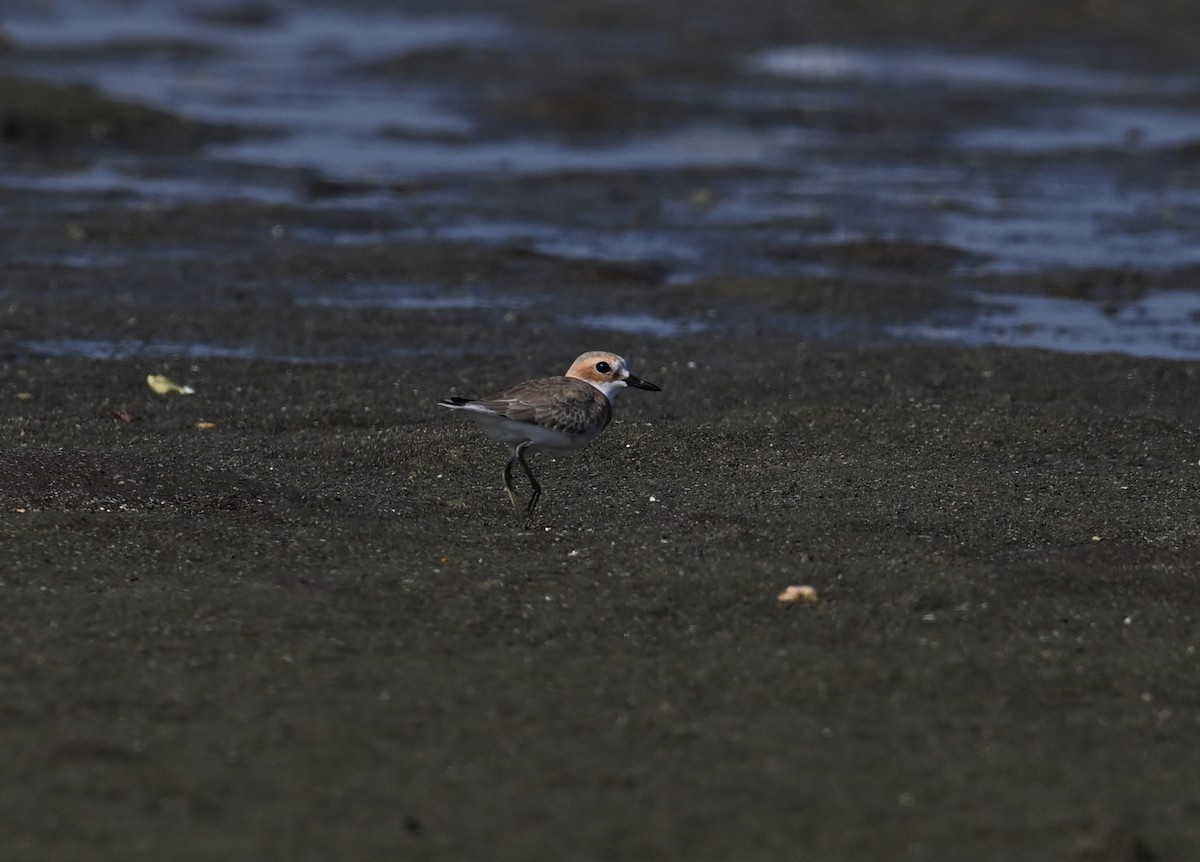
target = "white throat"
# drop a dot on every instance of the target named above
(610, 388)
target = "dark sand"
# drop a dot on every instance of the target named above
(315, 631)
(293, 616)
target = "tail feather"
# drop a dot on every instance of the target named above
(455, 402)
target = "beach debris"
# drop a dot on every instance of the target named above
(123, 415)
(799, 593)
(702, 197)
(205, 425)
(164, 385)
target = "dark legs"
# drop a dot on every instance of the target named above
(508, 482)
(537, 489)
(518, 456)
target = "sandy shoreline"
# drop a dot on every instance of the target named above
(318, 620)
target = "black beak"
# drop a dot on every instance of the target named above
(639, 383)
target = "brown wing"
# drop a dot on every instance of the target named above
(560, 403)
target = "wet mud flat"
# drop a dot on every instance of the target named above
(294, 614)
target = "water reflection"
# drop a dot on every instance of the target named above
(1165, 325)
(1018, 164)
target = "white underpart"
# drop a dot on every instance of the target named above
(509, 431)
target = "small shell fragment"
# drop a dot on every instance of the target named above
(164, 385)
(805, 594)
(205, 426)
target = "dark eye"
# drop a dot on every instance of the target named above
(603, 367)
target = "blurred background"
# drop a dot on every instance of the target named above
(1017, 172)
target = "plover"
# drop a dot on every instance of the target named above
(551, 414)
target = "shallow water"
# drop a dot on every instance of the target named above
(1019, 164)
(1161, 324)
